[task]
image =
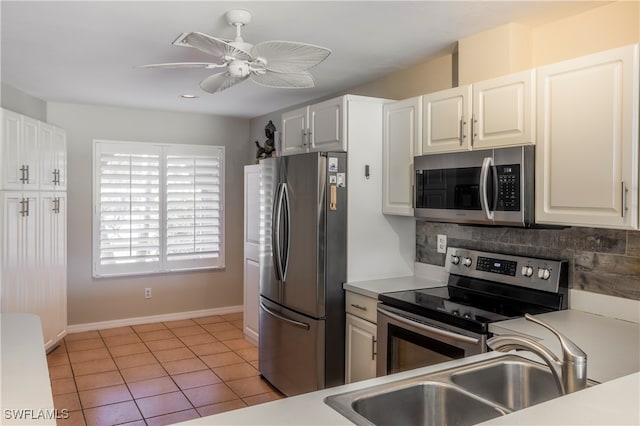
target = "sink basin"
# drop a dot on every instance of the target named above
(512, 384)
(428, 403)
(463, 395)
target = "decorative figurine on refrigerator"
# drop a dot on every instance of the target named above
(268, 150)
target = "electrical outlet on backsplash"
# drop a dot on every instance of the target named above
(604, 261)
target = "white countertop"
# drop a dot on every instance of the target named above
(26, 390)
(612, 346)
(427, 276)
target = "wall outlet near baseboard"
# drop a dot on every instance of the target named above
(147, 293)
(442, 243)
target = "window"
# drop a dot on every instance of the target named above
(157, 208)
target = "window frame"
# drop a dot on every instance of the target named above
(163, 265)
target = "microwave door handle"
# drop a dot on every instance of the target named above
(484, 176)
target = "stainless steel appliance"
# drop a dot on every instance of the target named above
(491, 187)
(423, 327)
(302, 269)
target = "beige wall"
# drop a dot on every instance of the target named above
(606, 27)
(516, 47)
(95, 300)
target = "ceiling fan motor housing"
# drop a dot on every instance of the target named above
(239, 68)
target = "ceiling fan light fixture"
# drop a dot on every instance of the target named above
(276, 63)
(188, 96)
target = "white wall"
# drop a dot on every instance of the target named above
(95, 300)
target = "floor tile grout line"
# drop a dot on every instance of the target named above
(188, 346)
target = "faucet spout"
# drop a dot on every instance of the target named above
(570, 372)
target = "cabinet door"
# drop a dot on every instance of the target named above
(21, 278)
(326, 121)
(60, 157)
(360, 349)
(446, 120)
(402, 133)
(53, 158)
(503, 111)
(294, 132)
(587, 150)
(251, 278)
(53, 254)
(19, 152)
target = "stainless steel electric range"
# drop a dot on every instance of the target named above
(428, 326)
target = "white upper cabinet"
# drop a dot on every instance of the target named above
(294, 131)
(53, 148)
(32, 155)
(402, 140)
(503, 111)
(488, 114)
(446, 118)
(318, 127)
(19, 152)
(587, 150)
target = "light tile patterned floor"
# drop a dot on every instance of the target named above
(158, 373)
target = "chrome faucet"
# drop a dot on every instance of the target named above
(570, 372)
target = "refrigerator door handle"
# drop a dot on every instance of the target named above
(275, 231)
(287, 234)
(285, 319)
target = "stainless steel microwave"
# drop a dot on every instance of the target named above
(488, 187)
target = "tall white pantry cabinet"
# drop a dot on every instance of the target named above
(33, 222)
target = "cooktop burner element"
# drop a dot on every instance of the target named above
(487, 287)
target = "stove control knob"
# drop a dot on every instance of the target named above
(544, 273)
(456, 312)
(467, 261)
(527, 271)
(455, 259)
(467, 315)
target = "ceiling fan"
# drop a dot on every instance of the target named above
(281, 64)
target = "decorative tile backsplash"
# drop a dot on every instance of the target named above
(605, 261)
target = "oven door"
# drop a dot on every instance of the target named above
(407, 341)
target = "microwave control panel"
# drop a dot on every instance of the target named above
(508, 187)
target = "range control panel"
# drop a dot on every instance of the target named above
(530, 272)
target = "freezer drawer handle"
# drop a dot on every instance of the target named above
(283, 318)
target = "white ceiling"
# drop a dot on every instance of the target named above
(87, 52)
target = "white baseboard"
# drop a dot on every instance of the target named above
(77, 328)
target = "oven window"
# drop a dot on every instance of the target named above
(408, 350)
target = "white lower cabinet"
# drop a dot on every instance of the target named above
(360, 337)
(33, 261)
(587, 149)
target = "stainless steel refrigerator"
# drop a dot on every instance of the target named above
(302, 269)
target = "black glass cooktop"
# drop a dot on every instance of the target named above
(464, 308)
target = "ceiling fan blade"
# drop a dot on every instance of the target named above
(184, 65)
(219, 82)
(284, 80)
(289, 56)
(212, 45)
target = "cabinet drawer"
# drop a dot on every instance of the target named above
(361, 306)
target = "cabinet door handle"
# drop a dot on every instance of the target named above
(56, 176)
(461, 130)
(56, 205)
(373, 348)
(362, 308)
(624, 199)
(22, 208)
(473, 129)
(23, 174)
(27, 181)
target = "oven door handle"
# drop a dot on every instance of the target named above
(432, 330)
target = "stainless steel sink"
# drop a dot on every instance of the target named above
(428, 403)
(464, 395)
(512, 384)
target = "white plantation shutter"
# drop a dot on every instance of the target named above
(157, 207)
(194, 207)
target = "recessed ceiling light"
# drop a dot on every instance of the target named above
(188, 96)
